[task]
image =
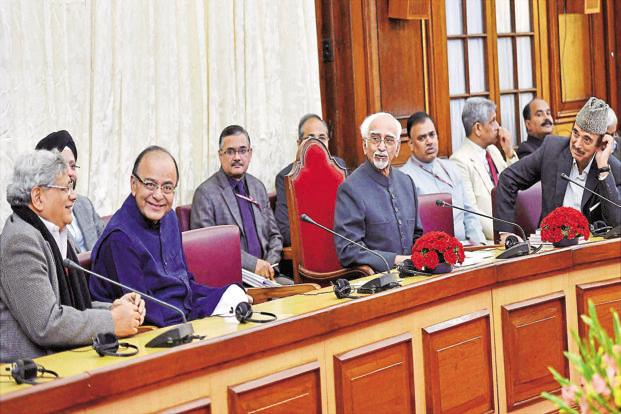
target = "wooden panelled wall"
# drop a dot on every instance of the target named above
(370, 62)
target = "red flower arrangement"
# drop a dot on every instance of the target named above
(434, 248)
(564, 223)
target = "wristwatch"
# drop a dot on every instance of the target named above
(603, 169)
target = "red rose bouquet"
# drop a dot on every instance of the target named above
(434, 248)
(564, 223)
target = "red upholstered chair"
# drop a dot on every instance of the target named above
(183, 216)
(311, 189)
(434, 217)
(213, 254)
(527, 209)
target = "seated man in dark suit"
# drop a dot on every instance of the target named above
(376, 205)
(585, 158)
(310, 126)
(232, 196)
(86, 226)
(538, 122)
(141, 247)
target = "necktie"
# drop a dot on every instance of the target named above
(492, 168)
(250, 229)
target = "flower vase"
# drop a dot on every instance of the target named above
(442, 267)
(566, 242)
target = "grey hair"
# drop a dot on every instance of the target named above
(305, 119)
(33, 169)
(612, 118)
(366, 124)
(476, 110)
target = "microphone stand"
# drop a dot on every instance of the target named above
(178, 335)
(518, 249)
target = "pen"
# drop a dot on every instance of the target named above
(273, 265)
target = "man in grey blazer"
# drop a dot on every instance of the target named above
(86, 226)
(43, 306)
(231, 196)
(584, 157)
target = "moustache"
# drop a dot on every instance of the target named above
(547, 123)
(237, 164)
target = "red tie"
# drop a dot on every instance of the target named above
(492, 168)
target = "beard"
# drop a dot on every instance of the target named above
(382, 163)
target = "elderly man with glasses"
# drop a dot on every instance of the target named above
(141, 247)
(376, 205)
(43, 306)
(232, 196)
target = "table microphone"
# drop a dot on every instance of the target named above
(178, 335)
(616, 231)
(518, 249)
(386, 281)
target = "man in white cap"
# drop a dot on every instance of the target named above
(584, 157)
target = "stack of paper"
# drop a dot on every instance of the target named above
(255, 280)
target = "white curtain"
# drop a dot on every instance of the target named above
(121, 75)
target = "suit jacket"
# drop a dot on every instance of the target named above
(215, 204)
(282, 209)
(529, 146)
(89, 221)
(477, 182)
(32, 320)
(547, 164)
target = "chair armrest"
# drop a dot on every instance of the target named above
(260, 295)
(287, 253)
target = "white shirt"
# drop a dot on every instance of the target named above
(76, 233)
(573, 193)
(60, 236)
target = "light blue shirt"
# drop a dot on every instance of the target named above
(441, 176)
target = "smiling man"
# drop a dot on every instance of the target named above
(232, 196)
(376, 205)
(584, 157)
(539, 123)
(141, 247)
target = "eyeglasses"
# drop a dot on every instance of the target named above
(167, 188)
(376, 139)
(66, 189)
(230, 152)
(73, 167)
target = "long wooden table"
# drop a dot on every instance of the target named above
(475, 340)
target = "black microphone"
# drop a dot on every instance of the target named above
(518, 249)
(612, 233)
(383, 282)
(566, 177)
(178, 335)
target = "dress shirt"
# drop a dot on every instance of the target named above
(573, 193)
(76, 233)
(60, 236)
(442, 176)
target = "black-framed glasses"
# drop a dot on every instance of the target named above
(167, 188)
(230, 152)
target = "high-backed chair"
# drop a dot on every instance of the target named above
(183, 216)
(84, 259)
(213, 254)
(434, 217)
(311, 189)
(527, 209)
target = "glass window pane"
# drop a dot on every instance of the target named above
(524, 99)
(457, 127)
(505, 63)
(525, 62)
(503, 16)
(522, 16)
(454, 21)
(457, 75)
(474, 16)
(476, 65)
(507, 113)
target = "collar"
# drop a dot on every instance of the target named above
(477, 148)
(375, 175)
(585, 172)
(60, 236)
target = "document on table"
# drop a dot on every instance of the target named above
(477, 257)
(255, 280)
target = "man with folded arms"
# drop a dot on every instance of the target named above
(376, 205)
(232, 196)
(141, 247)
(434, 175)
(584, 157)
(44, 307)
